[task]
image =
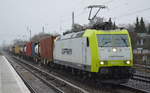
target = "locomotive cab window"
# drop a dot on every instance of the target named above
(79, 34)
(87, 42)
(117, 40)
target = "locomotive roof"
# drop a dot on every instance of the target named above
(72, 35)
(89, 31)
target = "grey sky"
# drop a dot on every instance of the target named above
(16, 15)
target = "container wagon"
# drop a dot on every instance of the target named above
(46, 49)
(28, 49)
(36, 51)
(17, 49)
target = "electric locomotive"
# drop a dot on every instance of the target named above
(107, 54)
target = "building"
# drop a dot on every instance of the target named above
(141, 48)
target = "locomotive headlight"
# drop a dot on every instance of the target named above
(114, 49)
(128, 62)
(102, 63)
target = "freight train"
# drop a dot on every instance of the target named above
(105, 55)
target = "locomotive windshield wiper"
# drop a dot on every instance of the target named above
(124, 40)
(106, 43)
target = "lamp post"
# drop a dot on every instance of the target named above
(29, 29)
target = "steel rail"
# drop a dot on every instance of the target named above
(64, 83)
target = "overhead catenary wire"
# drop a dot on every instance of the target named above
(138, 11)
(108, 2)
(115, 17)
(127, 14)
(67, 19)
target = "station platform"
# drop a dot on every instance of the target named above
(10, 81)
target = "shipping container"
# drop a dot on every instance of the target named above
(46, 48)
(13, 49)
(21, 49)
(28, 49)
(35, 49)
(24, 49)
(17, 49)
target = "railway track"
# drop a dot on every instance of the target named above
(145, 79)
(60, 85)
(32, 90)
(70, 88)
(139, 82)
(143, 66)
(28, 84)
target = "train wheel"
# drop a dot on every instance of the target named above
(47, 62)
(36, 60)
(73, 71)
(43, 61)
